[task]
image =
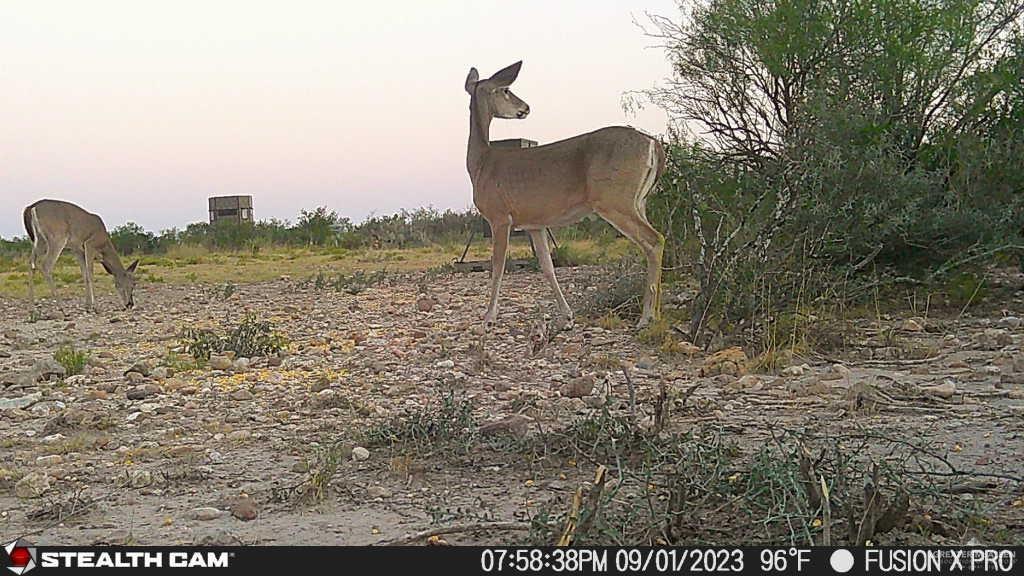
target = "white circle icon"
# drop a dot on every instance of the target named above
(841, 560)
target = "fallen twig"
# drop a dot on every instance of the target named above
(474, 527)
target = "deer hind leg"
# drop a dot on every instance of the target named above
(53, 250)
(540, 244)
(499, 233)
(634, 226)
(33, 262)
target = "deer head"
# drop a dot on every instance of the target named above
(124, 280)
(493, 95)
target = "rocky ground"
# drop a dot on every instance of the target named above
(144, 448)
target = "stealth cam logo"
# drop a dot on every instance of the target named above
(21, 557)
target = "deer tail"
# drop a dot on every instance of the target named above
(28, 222)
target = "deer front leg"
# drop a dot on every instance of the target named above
(540, 244)
(85, 263)
(499, 233)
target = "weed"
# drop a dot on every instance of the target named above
(451, 418)
(611, 321)
(226, 291)
(322, 467)
(613, 289)
(180, 363)
(353, 284)
(965, 288)
(251, 338)
(72, 360)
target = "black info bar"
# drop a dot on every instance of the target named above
(22, 557)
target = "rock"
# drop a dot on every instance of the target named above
(374, 492)
(174, 384)
(796, 370)
(135, 377)
(142, 367)
(140, 478)
(731, 361)
(1007, 380)
(750, 382)
(913, 325)
(836, 372)
(945, 390)
(515, 425)
(143, 391)
(242, 395)
(33, 485)
(220, 362)
(1018, 363)
(239, 435)
(578, 387)
(646, 363)
(687, 348)
(76, 380)
(1010, 322)
(206, 513)
(161, 373)
(320, 384)
(993, 339)
(425, 304)
(217, 537)
(49, 460)
(241, 365)
(245, 509)
(21, 402)
(48, 369)
(841, 370)
(445, 364)
(359, 453)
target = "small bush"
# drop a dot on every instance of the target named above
(353, 284)
(449, 419)
(72, 360)
(614, 289)
(251, 338)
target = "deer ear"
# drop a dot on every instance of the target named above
(131, 268)
(107, 268)
(472, 79)
(506, 76)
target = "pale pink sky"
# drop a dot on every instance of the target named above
(141, 110)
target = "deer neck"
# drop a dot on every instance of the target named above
(111, 261)
(479, 135)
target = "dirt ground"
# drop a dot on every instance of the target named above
(182, 456)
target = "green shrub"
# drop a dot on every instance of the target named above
(72, 360)
(251, 338)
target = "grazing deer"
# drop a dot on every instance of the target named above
(609, 172)
(54, 225)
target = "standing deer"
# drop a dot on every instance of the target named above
(609, 172)
(54, 225)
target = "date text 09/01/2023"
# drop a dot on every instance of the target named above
(496, 560)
